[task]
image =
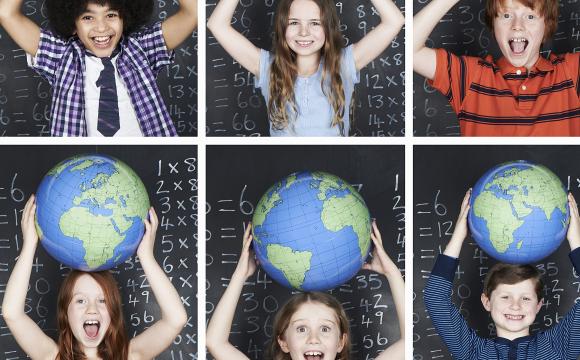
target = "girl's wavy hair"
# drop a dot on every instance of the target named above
(115, 344)
(282, 321)
(62, 14)
(284, 69)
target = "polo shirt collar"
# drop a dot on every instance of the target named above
(542, 65)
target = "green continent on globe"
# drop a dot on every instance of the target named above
(327, 182)
(84, 165)
(542, 190)
(500, 220)
(340, 212)
(123, 194)
(97, 234)
(293, 264)
(290, 180)
(63, 165)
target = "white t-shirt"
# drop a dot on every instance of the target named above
(129, 125)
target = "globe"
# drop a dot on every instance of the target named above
(90, 212)
(311, 231)
(519, 212)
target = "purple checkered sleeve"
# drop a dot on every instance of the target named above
(141, 58)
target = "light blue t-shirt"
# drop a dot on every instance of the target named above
(314, 109)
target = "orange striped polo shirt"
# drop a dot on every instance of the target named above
(498, 99)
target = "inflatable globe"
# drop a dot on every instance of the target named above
(519, 212)
(90, 211)
(311, 231)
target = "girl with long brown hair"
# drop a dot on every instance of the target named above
(89, 314)
(308, 78)
(311, 325)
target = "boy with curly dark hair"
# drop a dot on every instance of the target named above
(102, 63)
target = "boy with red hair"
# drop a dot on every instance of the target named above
(522, 93)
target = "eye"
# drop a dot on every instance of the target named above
(315, 23)
(525, 298)
(301, 329)
(80, 301)
(102, 301)
(506, 16)
(505, 297)
(293, 22)
(87, 18)
(112, 15)
(326, 329)
(531, 17)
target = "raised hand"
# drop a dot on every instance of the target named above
(246, 264)
(574, 227)
(460, 232)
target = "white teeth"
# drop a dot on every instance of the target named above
(91, 322)
(514, 317)
(518, 39)
(101, 38)
(313, 353)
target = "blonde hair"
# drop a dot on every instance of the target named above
(284, 69)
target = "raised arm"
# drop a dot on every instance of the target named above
(21, 29)
(573, 234)
(240, 48)
(180, 26)
(378, 39)
(453, 248)
(159, 336)
(382, 264)
(35, 343)
(424, 58)
(218, 330)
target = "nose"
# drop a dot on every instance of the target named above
(304, 30)
(515, 304)
(91, 307)
(313, 338)
(100, 25)
(517, 23)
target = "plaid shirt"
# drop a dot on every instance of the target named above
(141, 58)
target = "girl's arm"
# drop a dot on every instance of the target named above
(382, 264)
(378, 39)
(35, 343)
(424, 58)
(218, 330)
(159, 336)
(240, 48)
(21, 29)
(180, 26)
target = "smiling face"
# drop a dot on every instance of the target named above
(313, 333)
(87, 312)
(513, 308)
(305, 31)
(519, 31)
(99, 28)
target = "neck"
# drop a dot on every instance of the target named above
(91, 353)
(308, 65)
(511, 335)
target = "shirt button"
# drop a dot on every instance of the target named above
(519, 72)
(524, 87)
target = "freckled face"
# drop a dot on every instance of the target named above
(100, 29)
(513, 308)
(313, 333)
(87, 312)
(519, 32)
(305, 33)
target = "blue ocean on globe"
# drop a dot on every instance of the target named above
(90, 212)
(311, 231)
(519, 212)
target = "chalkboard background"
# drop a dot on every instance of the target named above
(169, 174)
(235, 108)
(463, 32)
(237, 176)
(442, 174)
(25, 96)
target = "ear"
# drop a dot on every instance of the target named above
(283, 345)
(539, 306)
(485, 301)
(341, 343)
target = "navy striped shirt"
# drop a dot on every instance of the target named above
(561, 341)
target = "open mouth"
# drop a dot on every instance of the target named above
(102, 41)
(514, 317)
(518, 45)
(313, 355)
(304, 43)
(92, 328)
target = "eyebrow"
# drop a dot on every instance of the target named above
(331, 321)
(315, 19)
